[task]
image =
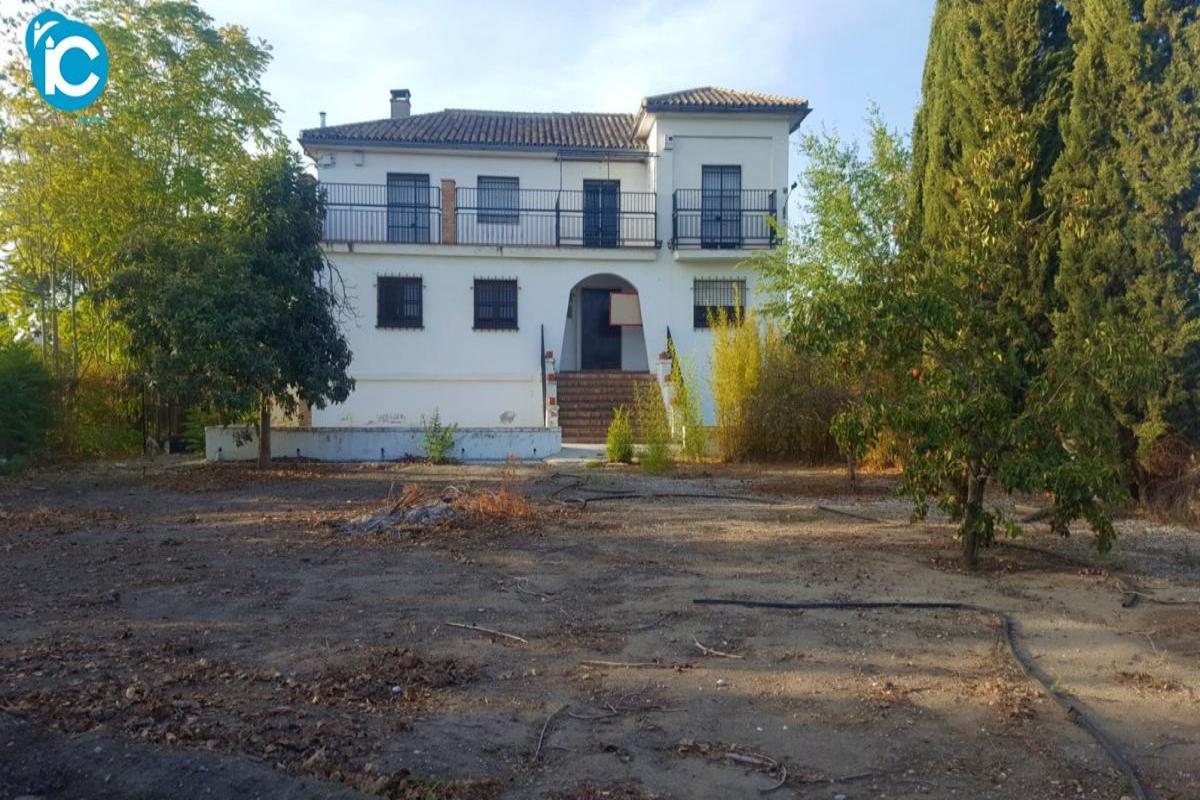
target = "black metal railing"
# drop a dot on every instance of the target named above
(400, 213)
(556, 217)
(721, 219)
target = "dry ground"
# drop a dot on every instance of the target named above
(208, 631)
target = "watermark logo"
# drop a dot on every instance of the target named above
(68, 60)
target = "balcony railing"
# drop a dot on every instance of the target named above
(404, 212)
(597, 217)
(400, 213)
(721, 219)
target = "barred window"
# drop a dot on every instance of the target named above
(495, 305)
(399, 303)
(712, 296)
(499, 199)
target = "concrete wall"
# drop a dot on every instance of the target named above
(380, 444)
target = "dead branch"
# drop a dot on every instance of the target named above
(480, 629)
(635, 664)
(708, 651)
(542, 736)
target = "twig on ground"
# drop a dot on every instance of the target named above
(636, 664)
(480, 629)
(708, 651)
(542, 736)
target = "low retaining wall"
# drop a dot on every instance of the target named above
(380, 444)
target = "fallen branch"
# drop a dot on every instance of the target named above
(1073, 707)
(636, 664)
(480, 629)
(708, 651)
(542, 736)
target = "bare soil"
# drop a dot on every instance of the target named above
(173, 629)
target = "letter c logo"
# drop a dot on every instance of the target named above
(68, 60)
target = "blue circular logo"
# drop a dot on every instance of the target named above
(68, 60)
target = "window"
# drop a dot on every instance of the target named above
(714, 295)
(721, 207)
(495, 305)
(398, 303)
(499, 199)
(408, 204)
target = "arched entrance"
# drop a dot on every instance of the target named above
(603, 330)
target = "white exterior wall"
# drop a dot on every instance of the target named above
(493, 378)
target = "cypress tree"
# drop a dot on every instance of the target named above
(1126, 189)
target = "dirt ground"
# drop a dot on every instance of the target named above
(176, 629)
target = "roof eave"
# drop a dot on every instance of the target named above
(554, 150)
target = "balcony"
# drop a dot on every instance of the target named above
(397, 212)
(409, 212)
(723, 219)
(591, 217)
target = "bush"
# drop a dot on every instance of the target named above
(792, 408)
(690, 431)
(26, 405)
(439, 438)
(736, 365)
(101, 417)
(772, 401)
(653, 429)
(618, 445)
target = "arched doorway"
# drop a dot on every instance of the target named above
(603, 330)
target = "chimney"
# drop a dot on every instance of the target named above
(322, 119)
(401, 103)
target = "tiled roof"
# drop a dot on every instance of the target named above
(714, 98)
(509, 130)
(459, 127)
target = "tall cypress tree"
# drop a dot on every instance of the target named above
(1126, 190)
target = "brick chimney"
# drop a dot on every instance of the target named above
(401, 103)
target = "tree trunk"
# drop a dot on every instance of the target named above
(264, 431)
(973, 511)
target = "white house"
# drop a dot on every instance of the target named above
(520, 272)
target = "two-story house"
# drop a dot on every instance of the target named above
(518, 271)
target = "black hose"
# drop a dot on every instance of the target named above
(1069, 703)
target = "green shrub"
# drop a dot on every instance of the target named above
(618, 445)
(653, 429)
(690, 430)
(792, 408)
(101, 417)
(736, 365)
(439, 438)
(26, 405)
(772, 401)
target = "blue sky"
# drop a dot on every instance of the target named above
(343, 57)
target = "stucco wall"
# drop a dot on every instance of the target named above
(381, 444)
(493, 378)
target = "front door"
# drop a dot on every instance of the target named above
(601, 213)
(600, 343)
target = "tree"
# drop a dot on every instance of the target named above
(1127, 332)
(26, 390)
(162, 143)
(238, 309)
(933, 287)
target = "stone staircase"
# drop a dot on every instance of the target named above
(586, 401)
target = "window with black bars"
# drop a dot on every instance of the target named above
(712, 296)
(499, 199)
(495, 304)
(399, 303)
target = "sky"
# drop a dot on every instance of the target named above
(603, 55)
